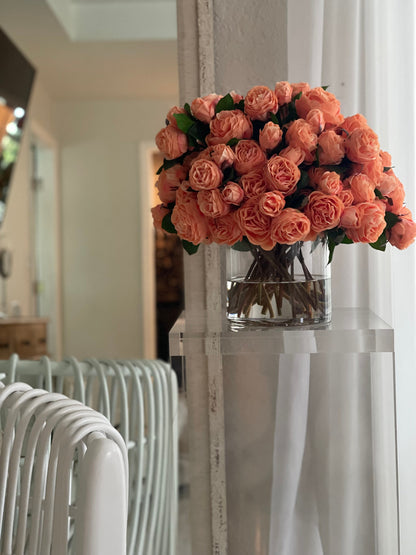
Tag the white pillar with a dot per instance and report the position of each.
(222, 46)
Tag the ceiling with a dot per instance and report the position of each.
(107, 56)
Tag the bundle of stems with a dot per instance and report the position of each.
(271, 279)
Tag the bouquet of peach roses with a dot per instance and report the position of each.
(272, 170)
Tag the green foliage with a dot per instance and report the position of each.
(335, 237)
(233, 142)
(239, 105)
(184, 121)
(242, 245)
(167, 224)
(380, 244)
(187, 109)
(391, 219)
(226, 103)
(170, 163)
(274, 118)
(189, 247)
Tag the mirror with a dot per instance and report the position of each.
(16, 79)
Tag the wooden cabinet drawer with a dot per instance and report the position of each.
(6, 347)
(27, 339)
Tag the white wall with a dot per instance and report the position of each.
(101, 202)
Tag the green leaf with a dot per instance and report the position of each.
(387, 168)
(242, 245)
(184, 122)
(167, 224)
(274, 118)
(189, 247)
(324, 87)
(229, 174)
(170, 163)
(347, 241)
(187, 109)
(331, 247)
(233, 142)
(391, 219)
(226, 103)
(303, 181)
(239, 105)
(297, 96)
(379, 194)
(198, 131)
(380, 244)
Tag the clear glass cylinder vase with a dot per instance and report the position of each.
(287, 286)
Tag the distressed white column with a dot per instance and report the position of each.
(221, 46)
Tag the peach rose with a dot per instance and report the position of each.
(346, 197)
(316, 120)
(294, 154)
(225, 230)
(324, 101)
(387, 184)
(300, 134)
(203, 108)
(188, 160)
(315, 175)
(374, 169)
(362, 145)
(405, 213)
(324, 211)
(169, 181)
(222, 155)
(271, 203)
(233, 193)
(385, 159)
(171, 142)
(212, 204)
(248, 156)
(290, 226)
(362, 188)
(402, 234)
(301, 87)
(396, 198)
(237, 97)
(270, 136)
(331, 148)
(330, 183)
(227, 125)
(354, 122)
(170, 115)
(158, 213)
(259, 102)
(281, 175)
(254, 224)
(253, 183)
(283, 92)
(189, 221)
(205, 174)
(369, 225)
(350, 218)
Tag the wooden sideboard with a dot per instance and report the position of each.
(26, 337)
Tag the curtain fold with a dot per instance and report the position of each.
(365, 51)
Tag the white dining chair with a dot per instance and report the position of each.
(140, 399)
(63, 476)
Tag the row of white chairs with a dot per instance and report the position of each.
(140, 399)
(63, 476)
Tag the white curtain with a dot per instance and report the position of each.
(364, 50)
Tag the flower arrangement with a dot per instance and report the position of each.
(274, 168)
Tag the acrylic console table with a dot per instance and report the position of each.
(305, 425)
